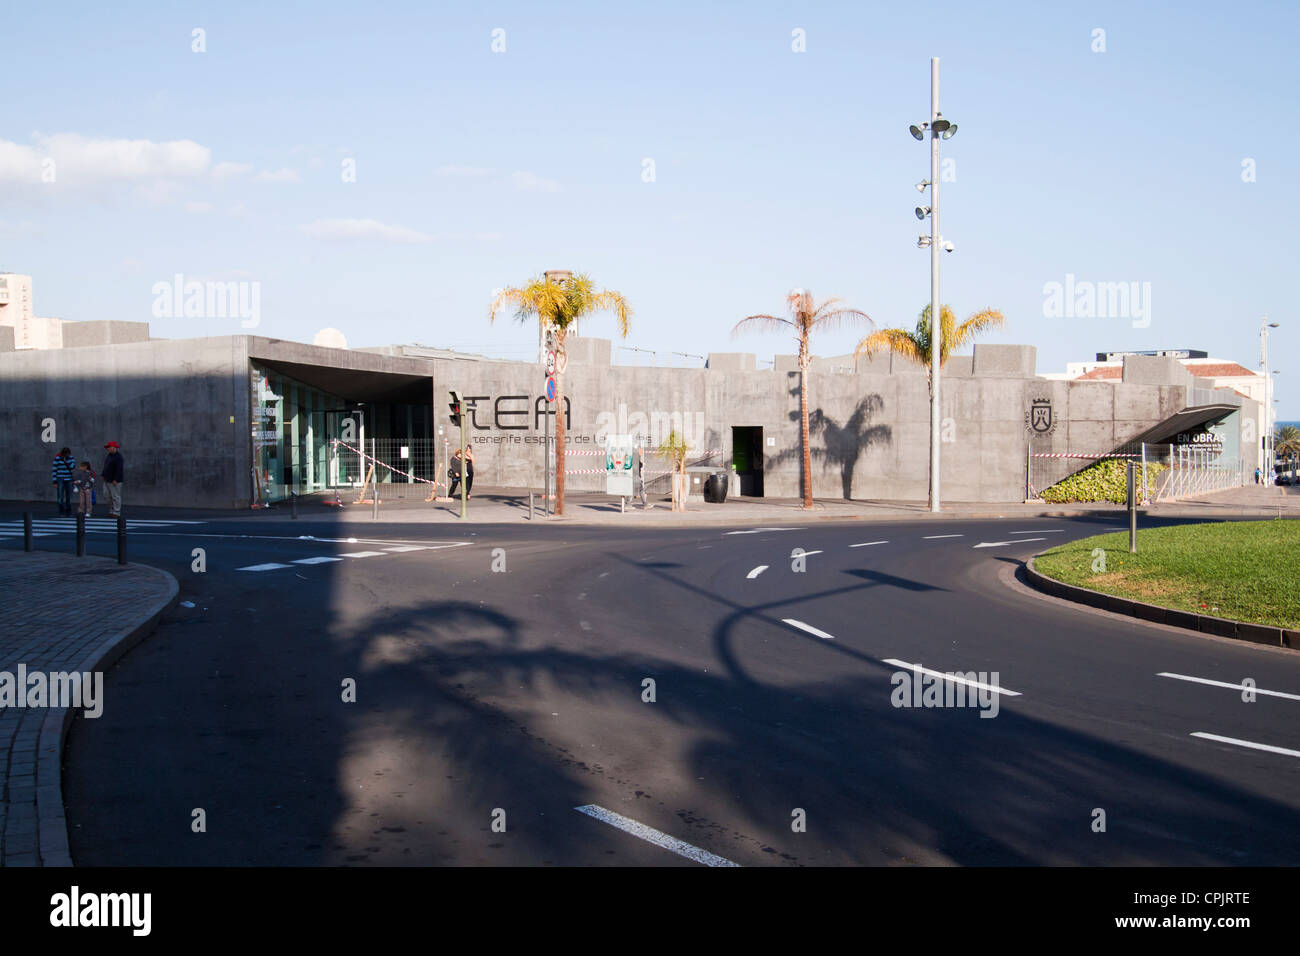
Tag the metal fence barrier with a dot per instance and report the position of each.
(1174, 471)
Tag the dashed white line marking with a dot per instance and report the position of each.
(757, 530)
(1003, 544)
(403, 548)
(1052, 531)
(806, 553)
(651, 835)
(756, 572)
(931, 537)
(952, 677)
(361, 554)
(262, 567)
(807, 627)
(1219, 683)
(317, 560)
(1247, 743)
(867, 544)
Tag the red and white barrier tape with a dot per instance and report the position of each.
(436, 484)
(1053, 454)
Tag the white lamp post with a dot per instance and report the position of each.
(1267, 471)
(938, 128)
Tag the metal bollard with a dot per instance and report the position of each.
(121, 539)
(27, 531)
(293, 505)
(81, 535)
(1132, 508)
(530, 506)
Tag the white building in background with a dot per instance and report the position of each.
(17, 313)
(1221, 373)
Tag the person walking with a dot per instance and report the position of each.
(114, 473)
(461, 462)
(61, 475)
(83, 483)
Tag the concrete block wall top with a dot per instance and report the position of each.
(1005, 361)
(1155, 370)
(732, 361)
(83, 334)
(587, 351)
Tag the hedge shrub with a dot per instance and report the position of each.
(1102, 481)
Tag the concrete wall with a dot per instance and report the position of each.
(83, 334)
(169, 404)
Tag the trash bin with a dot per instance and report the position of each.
(715, 487)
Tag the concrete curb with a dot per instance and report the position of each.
(1202, 623)
(51, 821)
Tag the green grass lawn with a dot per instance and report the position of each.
(1244, 570)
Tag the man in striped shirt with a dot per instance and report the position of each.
(61, 476)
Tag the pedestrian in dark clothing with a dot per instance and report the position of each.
(113, 473)
(453, 472)
(61, 475)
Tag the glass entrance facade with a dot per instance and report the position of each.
(292, 427)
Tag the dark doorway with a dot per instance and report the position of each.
(747, 459)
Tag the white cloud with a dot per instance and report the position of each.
(224, 171)
(366, 229)
(464, 171)
(278, 176)
(198, 208)
(79, 160)
(531, 182)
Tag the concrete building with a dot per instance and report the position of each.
(228, 420)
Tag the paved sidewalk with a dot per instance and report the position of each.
(60, 613)
(503, 506)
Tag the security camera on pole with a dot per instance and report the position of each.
(938, 128)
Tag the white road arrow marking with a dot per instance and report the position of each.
(756, 572)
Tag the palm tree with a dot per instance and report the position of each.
(806, 317)
(1286, 440)
(558, 306)
(915, 345)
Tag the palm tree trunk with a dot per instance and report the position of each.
(807, 452)
(559, 423)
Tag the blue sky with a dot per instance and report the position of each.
(773, 168)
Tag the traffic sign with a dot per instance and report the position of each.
(550, 364)
(550, 389)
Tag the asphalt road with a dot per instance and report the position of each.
(522, 691)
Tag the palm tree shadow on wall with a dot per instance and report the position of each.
(843, 445)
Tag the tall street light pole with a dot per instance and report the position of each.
(1266, 473)
(938, 128)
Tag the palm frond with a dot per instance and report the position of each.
(762, 323)
(899, 341)
(981, 321)
(823, 320)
